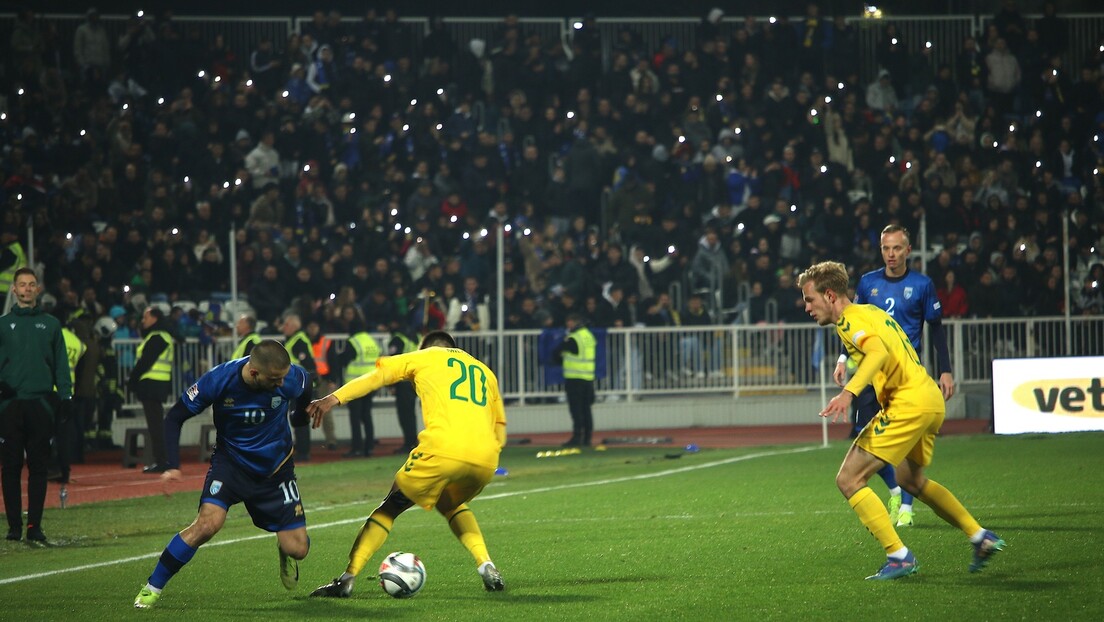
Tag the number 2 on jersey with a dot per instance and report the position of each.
(468, 373)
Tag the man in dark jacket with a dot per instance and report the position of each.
(32, 363)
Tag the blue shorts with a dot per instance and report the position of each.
(866, 406)
(272, 502)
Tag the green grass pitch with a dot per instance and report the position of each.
(624, 534)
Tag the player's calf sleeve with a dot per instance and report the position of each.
(948, 507)
(173, 558)
(875, 517)
(466, 529)
(372, 535)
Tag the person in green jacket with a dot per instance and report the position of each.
(32, 363)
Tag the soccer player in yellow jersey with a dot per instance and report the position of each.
(902, 434)
(456, 455)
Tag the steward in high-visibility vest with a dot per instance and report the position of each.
(12, 258)
(578, 351)
(247, 328)
(362, 353)
(405, 397)
(299, 348)
(318, 349)
(367, 351)
(74, 350)
(151, 381)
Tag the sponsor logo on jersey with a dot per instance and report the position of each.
(228, 401)
(193, 392)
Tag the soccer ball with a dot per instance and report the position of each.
(402, 575)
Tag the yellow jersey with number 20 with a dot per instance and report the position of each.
(902, 384)
(461, 406)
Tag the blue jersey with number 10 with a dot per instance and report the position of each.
(910, 299)
(252, 425)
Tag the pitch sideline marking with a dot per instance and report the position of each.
(502, 495)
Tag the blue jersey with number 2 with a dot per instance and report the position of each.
(253, 426)
(910, 299)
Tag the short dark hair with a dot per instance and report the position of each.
(22, 271)
(437, 338)
(269, 355)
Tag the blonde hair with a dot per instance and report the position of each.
(827, 275)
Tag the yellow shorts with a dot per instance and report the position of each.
(893, 436)
(426, 478)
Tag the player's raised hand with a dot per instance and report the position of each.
(318, 408)
(838, 405)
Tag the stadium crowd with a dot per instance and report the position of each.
(359, 172)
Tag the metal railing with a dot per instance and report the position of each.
(728, 359)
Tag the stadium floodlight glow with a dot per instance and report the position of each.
(1054, 72)
(284, 94)
(1038, 164)
(352, 225)
(463, 308)
(839, 86)
(647, 259)
(249, 82)
(772, 19)
(406, 127)
(482, 233)
(577, 25)
(737, 131)
(141, 14)
(175, 231)
(526, 231)
(201, 74)
(507, 228)
(719, 97)
(3, 116)
(570, 114)
(893, 40)
(440, 91)
(68, 236)
(908, 165)
(398, 226)
(352, 130)
(387, 78)
(823, 168)
(827, 99)
(1102, 48)
(306, 168)
(126, 106)
(225, 185)
(187, 179)
(218, 78)
(739, 226)
(237, 181)
(465, 236)
(19, 197)
(728, 159)
(20, 91)
(82, 132)
(126, 289)
(793, 208)
(892, 159)
(995, 144)
(394, 212)
(671, 249)
(333, 296)
(1023, 247)
(439, 127)
(1011, 127)
(406, 230)
(682, 139)
(414, 102)
(1038, 114)
(160, 101)
(453, 219)
(813, 112)
(927, 45)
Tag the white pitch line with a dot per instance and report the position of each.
(502, 495)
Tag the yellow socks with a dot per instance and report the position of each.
(464, 526)
(948, 507)
(875, 517)
(372, 536)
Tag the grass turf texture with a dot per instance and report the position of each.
(625, 534)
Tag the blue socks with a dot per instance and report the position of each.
(889, 476)
(173, 558)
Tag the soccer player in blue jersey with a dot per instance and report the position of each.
(909, 298)
(251, 398)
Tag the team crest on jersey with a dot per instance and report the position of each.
(216, 486)
(228, 401)
(193, 391)
(12, 325)
(908, 293)
(276, 401)
(874, 292)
